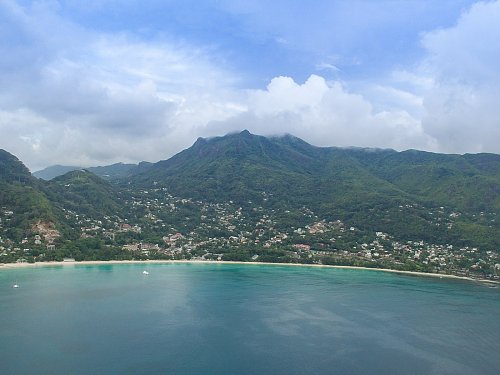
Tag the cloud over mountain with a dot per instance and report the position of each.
(78, 94)
(326, 114)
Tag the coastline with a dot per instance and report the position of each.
(118, 262)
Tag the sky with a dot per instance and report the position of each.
(95, 82)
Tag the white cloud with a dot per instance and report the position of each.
(326, 114)
(74, 96)
(87, 98)
(327, 66)
(462, 109)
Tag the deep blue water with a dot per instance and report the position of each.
(243, 319)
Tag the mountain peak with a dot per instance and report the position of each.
(245, 133)
(53, 171)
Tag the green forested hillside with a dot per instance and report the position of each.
(465, 181)
(12, 170)
(20, 194)
(365, 187)
(243, 196)
(84, 192)
(27, 202)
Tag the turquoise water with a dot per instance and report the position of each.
(243, 319)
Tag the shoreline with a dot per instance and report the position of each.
(118, 262)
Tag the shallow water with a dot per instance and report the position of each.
(243, 319)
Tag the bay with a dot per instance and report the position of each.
(243, 319)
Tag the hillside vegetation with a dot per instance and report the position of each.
(243, 196)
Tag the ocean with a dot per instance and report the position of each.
(243, 319)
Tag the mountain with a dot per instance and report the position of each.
(465, 181)
(365, 187)
(119, 171)
(32, 205)
(53, 171)
(242, 196)
(108, 172)
(83, 192)
(243, 166)
(12, 170)
(21, 199)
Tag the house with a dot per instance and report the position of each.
(125, 227)
(132, 247)
(302, 247)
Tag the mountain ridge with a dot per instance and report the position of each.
(410, 196)
(108, 172)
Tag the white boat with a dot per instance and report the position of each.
(145, 272)
(15, 285)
